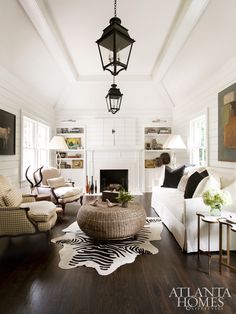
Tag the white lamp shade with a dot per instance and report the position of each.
(58, 143)
(174, 142)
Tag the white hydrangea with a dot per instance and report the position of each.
(216, 198)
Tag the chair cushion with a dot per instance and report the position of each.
(69, 199)
(13, 198)
(40, 211)
(49, 173)
(56, 182)
(67, 191)
(5, 186)
(47, 225)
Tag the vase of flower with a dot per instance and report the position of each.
(215, 199)
(215, 211)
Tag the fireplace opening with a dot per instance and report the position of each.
(114, 179)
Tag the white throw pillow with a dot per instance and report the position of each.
(191, 169)
(162, 175)
(13, 198)
(231, 189)
(183, 182)
(56, 182)
(207, 183)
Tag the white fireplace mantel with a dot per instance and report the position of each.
(130, 158)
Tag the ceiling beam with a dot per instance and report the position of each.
(39, 15)
(186, 19)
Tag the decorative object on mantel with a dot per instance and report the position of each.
(110, 204)
(115, 46)
(227, 124)
(87, 185)
(80, 250)
(113, 99)
(124, 197)
(95, 187)
(94, 203)
(215, 199)
(92, 186)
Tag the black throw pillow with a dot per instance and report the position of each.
(193, 182)
(172, 177)
(204, 174)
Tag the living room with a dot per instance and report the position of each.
(181, 68)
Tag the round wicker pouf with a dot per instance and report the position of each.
(111, 223)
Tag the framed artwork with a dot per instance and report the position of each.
(150, 163)
(73, 142)
(77, 164)
(227, 124)
(7, 133)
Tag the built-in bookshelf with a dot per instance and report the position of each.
(73, 160)
(154, 138)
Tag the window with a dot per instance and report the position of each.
(35, 142)
(198, 141)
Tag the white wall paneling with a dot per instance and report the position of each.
(205, 96)
(14, 97)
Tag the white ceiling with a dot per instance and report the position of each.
(50, 45)
(80, 23)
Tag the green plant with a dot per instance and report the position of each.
(124, 197)
(216, 198)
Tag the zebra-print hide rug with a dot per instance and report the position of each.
(81, 250)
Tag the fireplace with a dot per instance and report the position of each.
(113, 178)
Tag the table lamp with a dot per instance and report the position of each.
(58, 143)
(174, 142)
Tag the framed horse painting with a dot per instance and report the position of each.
(7, 133)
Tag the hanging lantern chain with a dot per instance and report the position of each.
(114, 7)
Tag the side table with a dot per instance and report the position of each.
(231, 226)
(204, 216)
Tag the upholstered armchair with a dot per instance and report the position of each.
(62, 192)
(21, 214)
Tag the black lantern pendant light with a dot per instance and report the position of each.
(115, 46)
(113, 98)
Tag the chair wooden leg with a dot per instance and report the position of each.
(63, 208)
(81, 200)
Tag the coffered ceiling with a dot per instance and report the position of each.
(70, 28)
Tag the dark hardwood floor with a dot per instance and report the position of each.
(32, 282)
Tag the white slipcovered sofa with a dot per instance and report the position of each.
(179, 214)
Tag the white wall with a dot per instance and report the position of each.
(200, 98)
(15, 96)
(129, 143)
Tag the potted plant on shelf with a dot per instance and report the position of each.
(124, 197)
(215, 199)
